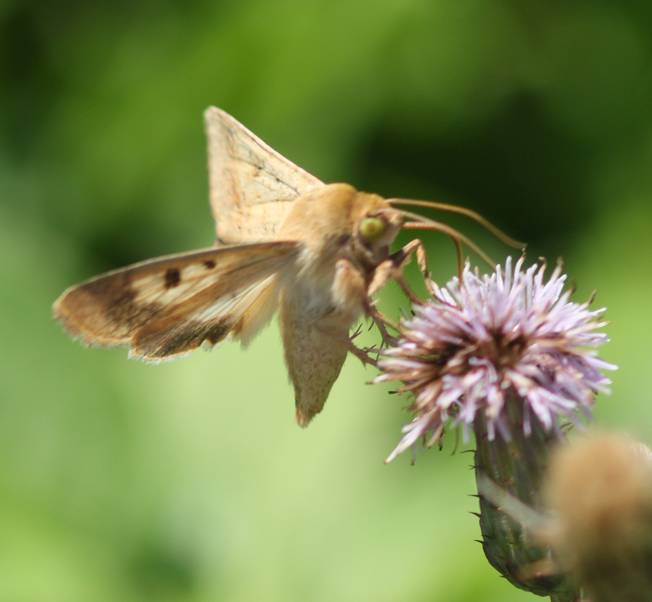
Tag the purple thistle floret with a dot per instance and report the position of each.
(509, 335)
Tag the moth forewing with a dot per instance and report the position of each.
(251, 185)
(164, 307)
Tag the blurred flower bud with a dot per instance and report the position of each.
(599, 490)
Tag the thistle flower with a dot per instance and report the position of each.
(508, 355)
(487, 339)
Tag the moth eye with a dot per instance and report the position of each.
(372, 227)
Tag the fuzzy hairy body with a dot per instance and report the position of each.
(323, 296)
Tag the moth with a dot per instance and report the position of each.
(286, 242)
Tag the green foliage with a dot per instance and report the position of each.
(188, 481)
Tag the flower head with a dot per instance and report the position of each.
(481, 342)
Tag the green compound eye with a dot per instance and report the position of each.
(372, 227)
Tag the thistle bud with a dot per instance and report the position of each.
(517, 465)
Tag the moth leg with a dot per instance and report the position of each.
(381, 321)
(349, 293)
(362, 353)
(414, 246)
(392, 269)
(333, 330)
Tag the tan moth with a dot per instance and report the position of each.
(285, 241)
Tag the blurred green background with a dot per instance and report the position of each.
(189, 481)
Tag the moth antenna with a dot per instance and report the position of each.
(459, 257)
(476, 217)
(423, 223)
(459, 254)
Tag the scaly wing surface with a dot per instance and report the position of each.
(169, 306)
(251, 185)
(314, 357)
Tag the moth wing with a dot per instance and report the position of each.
(169, 306)
(314, 359)
(251, 185)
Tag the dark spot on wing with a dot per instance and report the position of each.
(172, 277)
(209, 264)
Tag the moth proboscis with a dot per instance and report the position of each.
(285, 241)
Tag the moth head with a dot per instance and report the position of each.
(376, 230)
